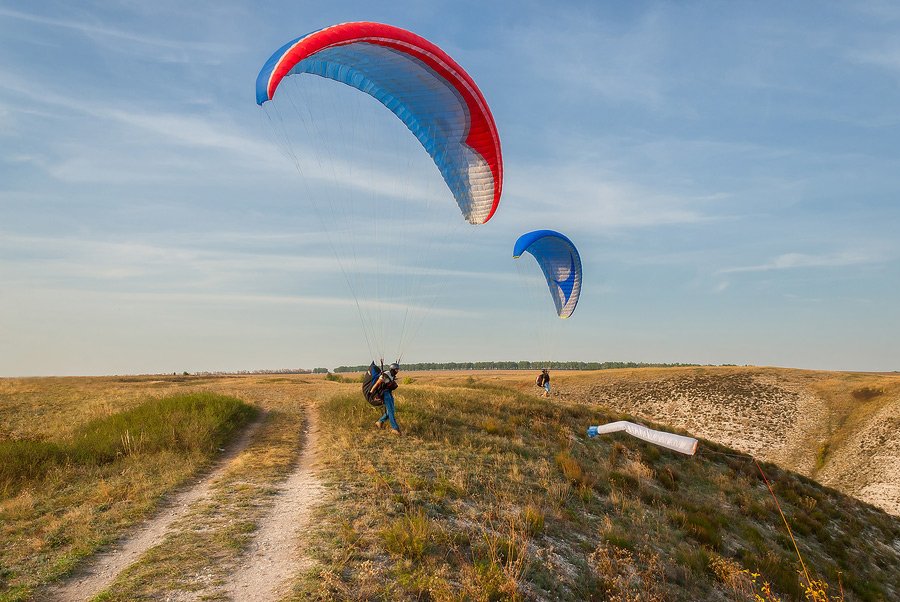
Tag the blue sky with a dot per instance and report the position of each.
(729, 171)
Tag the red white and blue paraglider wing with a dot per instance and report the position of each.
(560, 263)
(436, 99)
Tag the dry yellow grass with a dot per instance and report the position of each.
(486, 481)
(49, 526)
(496, 494)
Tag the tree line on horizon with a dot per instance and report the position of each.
(521, 365)
(274, 371)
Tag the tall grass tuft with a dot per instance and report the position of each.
(410, 536)
(197, 423)
(24, 461)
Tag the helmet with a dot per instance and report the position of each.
(395, 367)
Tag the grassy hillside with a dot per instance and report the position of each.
(838, 428)
(494, 494)
(491, 493)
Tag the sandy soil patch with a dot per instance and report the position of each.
(274, 558)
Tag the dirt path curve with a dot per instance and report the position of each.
(273, 559)
(103, 569)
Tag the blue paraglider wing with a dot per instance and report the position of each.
(560, 263)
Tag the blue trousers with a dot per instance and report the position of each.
(389, 410)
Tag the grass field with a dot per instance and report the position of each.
(112, 448)
(490, 494)
(495, 494)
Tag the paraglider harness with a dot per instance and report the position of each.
(541, 379)
(376, 397)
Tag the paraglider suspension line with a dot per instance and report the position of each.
(777, 505)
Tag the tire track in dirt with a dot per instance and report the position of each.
(273, 559)
(104, 568)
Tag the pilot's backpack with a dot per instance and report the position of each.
(376, 397)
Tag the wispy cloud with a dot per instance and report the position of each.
(92, 261)
(89, 151)
(588, 56)
(182, 266)
(209, 299)
(792, 261)
(883, 11)
(886, 54)
(104, 31)
(878, 46)
(585, 197)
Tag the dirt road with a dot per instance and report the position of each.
(268, 564)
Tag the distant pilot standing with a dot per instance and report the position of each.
(543, 380)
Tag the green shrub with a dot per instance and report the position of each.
(866, 393)
(410, 536)
(695, 559)
(200, 421)
(703, 530)
(650, 454)
(196, 423)
(624, 481)
(572, 469)
(22, 461)
(615, 453)
(619, 541)
(822, 455)
(533, 517)
(782, 571)
(668, 477)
